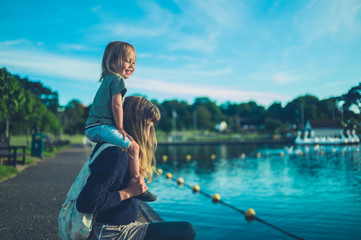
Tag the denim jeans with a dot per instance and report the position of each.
(132, 231)
(107, 133)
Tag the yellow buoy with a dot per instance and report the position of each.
(188, 157)
(282, 154)
(243, 155)
(301, 153)
(180, 181)
(250, 213)
(259, 155)
(160, 171)
(213, 156)
(168, 175)
(216, 198)
(165, 158)
(196, 188)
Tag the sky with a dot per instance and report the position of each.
(228, 50)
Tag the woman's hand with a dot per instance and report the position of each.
(136, 186)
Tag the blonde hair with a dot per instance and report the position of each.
(138, 112)
(113, 57)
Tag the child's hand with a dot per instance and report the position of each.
(124, 133)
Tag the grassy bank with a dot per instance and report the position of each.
(208, 136)
(9, 171)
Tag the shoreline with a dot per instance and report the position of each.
(230, 142)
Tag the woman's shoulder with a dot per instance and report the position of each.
(112, 156)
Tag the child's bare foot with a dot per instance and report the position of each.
(147, 196)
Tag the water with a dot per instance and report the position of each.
(311, 192)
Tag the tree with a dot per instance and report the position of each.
(352, 98)
(272, 124)
(258, 113)
(203, 117)
(275, 111)
(46, 95)
(215, 112)
(74, 117)
(12, 98)
(301, 109)
(171, 109)
(327, 109)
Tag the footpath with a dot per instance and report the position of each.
(31, 201)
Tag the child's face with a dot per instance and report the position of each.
(128, 66)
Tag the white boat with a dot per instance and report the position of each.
(308, 138)
(326, 132)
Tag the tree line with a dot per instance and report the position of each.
(28, 107)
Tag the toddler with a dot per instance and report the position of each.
(105, 121)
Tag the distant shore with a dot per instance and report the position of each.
(229, 142)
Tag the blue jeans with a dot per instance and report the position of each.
(107, 133)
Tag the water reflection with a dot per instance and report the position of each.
(312, 191)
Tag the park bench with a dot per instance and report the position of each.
(49, 143)
(11, 152)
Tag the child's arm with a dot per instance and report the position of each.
(117, 109)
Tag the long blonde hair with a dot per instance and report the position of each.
(138, 112)
(113, 57)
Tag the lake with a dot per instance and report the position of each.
(311, 192)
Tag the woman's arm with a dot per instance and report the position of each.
(109, 167)
(135, 187)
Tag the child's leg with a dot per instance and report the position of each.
(133, 160)
(134, 171)
(107, 133)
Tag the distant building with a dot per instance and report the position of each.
(221, 126)
(326, 132)
(324, 128)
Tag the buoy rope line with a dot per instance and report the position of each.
(250, 213)
(294, 152)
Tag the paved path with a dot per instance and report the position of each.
(31, 201)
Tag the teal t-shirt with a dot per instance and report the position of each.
(101, 110)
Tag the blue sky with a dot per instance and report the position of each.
(227, 50)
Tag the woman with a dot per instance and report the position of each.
(109, 192)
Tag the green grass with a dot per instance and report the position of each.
(74, 139)
(6, 172)
(23, 140)
(207, 136)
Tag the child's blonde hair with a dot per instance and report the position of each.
(138, 112)
(113, 57)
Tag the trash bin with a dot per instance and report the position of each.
(37, 145)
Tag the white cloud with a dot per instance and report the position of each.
(283, 78)
(76, 47)
(96, 8)
(195, 43)
(42, 63)
(19, 42)
(195, 90)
